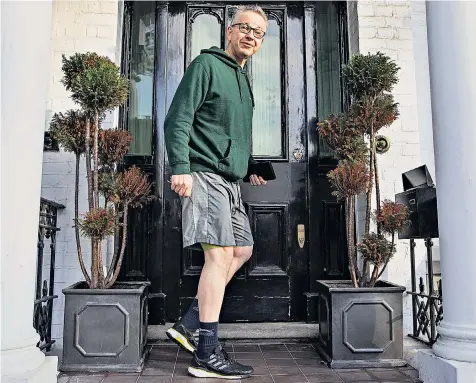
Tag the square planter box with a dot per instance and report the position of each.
(360, 327)
(105, 329)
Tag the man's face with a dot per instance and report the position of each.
(245, 45)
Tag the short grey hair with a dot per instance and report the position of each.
(249, 8)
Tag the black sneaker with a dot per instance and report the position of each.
(183, 337)
(218, 365)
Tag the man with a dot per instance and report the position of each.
(208, 140)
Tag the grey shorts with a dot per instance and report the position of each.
(215, 213)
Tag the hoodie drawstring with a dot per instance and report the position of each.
(239, 84)
(251, 92)
(249, 87)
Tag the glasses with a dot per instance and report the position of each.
(246, 28)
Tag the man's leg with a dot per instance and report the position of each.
(211, 289)
(241, 254)
(213, 279)
(210, 359)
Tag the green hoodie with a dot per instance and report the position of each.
(208, 125)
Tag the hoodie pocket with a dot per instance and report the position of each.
(234, 165)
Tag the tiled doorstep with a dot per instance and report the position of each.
(273, 363)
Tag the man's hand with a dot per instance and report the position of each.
(182, 184)
(256, 181)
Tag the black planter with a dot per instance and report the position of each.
(360, 327)
(105, 329)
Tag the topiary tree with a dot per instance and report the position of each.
(97, 86)
(352, 135)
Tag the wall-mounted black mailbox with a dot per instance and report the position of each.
(420, 197)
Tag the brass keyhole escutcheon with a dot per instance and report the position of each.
(301, 235)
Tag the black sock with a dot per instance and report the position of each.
(207, 340)
(191, 320)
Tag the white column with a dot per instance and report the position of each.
(452, 58)
(25, 52)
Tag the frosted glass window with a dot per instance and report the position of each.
(328, 67)
(267, 89)
(142, 78)
(206, 32)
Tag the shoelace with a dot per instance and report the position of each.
(226, 356)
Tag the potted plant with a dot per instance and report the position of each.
(361, 319)
(105, 321)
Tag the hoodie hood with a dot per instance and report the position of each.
(221, 55)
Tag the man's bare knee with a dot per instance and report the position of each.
(220, 257)
(243, 253)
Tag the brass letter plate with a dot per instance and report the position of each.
(301, 235)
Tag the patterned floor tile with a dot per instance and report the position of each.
(281, 362)
(299, 347)
(155, 379)
(290, 379)
(277, 354)
(121, 378)
(258, 379)
(273, 347)
(252, 362)
(246, 348)
(389, 374)
(324, 377)
(352, 375)
(305, 354)
(412, 373)
(87, 378)
(315, 362)
(291, 370)
(249, 355)
(273, 363)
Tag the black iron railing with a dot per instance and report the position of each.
(427, 304)
(43, 310)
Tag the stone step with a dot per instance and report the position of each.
(241, 331)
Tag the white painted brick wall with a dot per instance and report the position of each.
(78, 26)
(387, 26)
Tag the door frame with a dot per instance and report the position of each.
(152, 265)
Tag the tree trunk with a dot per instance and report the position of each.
(88, 162)
(364, 275)
(101, 279)
(95, 159)
(94, 264)
(352, 235)
(377, 186)
(123, 247)
(76, 216)
(112, 266)
(370, 184)
(386, 263)
(374, 277)
(350, 239)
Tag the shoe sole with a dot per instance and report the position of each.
(180, 340)
(199, 373)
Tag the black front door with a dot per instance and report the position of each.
(296, 223)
